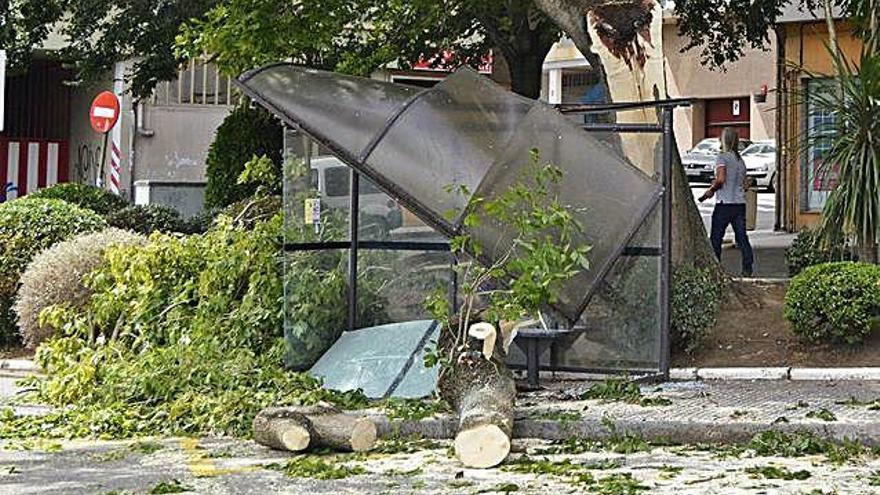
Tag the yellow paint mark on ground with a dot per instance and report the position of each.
(201, 466)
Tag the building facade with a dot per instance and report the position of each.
(807, 67)
(742, 96)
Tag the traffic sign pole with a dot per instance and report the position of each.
(103, 116)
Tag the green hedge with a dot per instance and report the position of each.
(696, 297)
(244, 133)
(834, 302)
(27, 227)
(93, 198)
(806, 251)
(148, 219)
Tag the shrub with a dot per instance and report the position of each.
(244, 133)
(85, 196)
(249, 211)
(696, 296)
(834, 302)
(210, 305)
(147, 219)
(806, 251)
(56, 277)
(201, 222)
(28, 226)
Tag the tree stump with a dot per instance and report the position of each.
(483, 392)
(308, 427)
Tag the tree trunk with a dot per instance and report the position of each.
(483, 393)
(690, 241)
(525, 73)
(304, 427)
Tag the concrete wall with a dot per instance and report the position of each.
(178, 146)
(171, 145)
(687, 77)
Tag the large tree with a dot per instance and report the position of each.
(101, 32)
(357, 36)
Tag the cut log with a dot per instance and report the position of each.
(483, 392)
(310, 427)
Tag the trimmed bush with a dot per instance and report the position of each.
(92, 198)
(56, 277)
(805, 251)
(834, 302)
(148, 219)
(248, 212)
(201, 222)
(244, 133)
(696, 296)
(28, 226)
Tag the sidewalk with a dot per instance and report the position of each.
(698, 412)
(709, 411)
(769, 248)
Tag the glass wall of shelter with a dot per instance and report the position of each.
(410, 150)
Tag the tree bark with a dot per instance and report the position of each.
(483, 392)
(690, 241)
(308, 427)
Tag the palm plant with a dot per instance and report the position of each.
(852, 210)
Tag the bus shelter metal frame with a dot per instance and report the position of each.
(664, 127)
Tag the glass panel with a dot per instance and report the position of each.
(345, 109)
(609, 196)
(383, 361)
(393, 285)
(623, 319)
(449, 137)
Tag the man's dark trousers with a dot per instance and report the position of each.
(734, 215)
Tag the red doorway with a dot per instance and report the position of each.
(728, 112)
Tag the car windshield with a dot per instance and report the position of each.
(753, 150)
(707, 147)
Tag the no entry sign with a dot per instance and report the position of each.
(104, 112)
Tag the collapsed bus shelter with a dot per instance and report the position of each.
(401, 165)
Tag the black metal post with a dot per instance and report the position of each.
(666, 240)
(354, 204)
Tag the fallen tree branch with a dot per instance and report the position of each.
(298, 428)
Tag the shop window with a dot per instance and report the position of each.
(818, 179)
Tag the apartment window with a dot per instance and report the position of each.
(198, 82)
(820, 124)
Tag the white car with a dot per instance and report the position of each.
(699, 163)
(760, 160)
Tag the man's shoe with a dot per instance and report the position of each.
(747, 274)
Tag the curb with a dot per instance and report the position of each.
(19, 365)
(776, 373)
(665, 431)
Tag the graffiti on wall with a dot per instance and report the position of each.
(87, 163)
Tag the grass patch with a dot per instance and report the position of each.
(412, 409)
(146, 447)
(170, 486)
(562, 417)
(874, 478)
(411, 472)
(619, 484)
(778, 473)
(316, 468)
(798, 444)
(502, 488)
(109, 456)
(406, 445)
(823, 414)
(622, 390)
